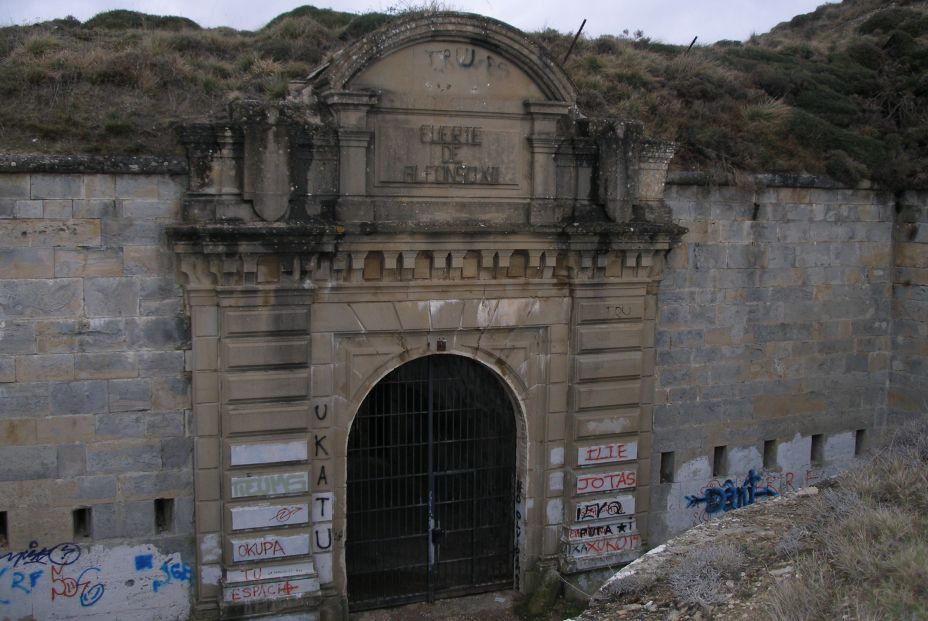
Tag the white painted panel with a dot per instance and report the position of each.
(604, 508)
(270, 484)
(604, 546)
(622, 526)
(323, 507)
(282, 589)
(612, 453)
(270, 572)
(322, 538)
(324, 567)
(268, 452)
(271, 546)
(268, 516)
(591, 482)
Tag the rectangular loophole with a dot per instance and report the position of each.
(860, 442)
(4, 533)
(82, 521)
(718, 460)
(817, 456)
(164, 515)
(770, 454)
(667, 467)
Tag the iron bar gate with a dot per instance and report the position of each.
(431, 470)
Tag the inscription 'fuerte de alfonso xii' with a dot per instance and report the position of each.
(453, 143)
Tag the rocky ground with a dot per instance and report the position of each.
(752, 549)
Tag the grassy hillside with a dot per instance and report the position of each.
(841, 91)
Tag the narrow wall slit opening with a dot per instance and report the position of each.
(719, 457)
(667, 467)
(164, 515)
(817, 453)
(4, 533)
(770, 454)
(82, 522)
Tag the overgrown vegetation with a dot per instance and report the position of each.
(866, 556)
(841, 91)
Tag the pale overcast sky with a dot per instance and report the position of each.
(671, 21)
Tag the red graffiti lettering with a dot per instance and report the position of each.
(606, 482)
(261, 549)
(263, 591)
(285, 514)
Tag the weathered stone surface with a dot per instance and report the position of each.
(17, 400)
(111, 297)
(17, 432)
(72, 461)
(14, 186)
(56, 186)
(88, 263)
(63, 429)
(84, 397)
(57, 209)
(7, 369)
(123, 456)
(97, 487)
(70, 335)
(108, 365)
(146, 260)
(28, 209)
(94, 208)
(157, 332)
(45, 233)
(40, 298)
(127, 395)
(170, 393)
(44, 368)
(26, 463)
(27, 263)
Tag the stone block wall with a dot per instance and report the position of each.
(908, 394)
(773, 340)
(94, 397)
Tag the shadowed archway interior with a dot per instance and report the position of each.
(431, 485)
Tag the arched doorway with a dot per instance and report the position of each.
(431, 485)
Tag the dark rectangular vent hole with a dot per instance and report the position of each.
(718, 460)
(860, 442)
(667, 467)
(818, 449)
(164, 515)
(4, 533)
(770, 454)
(81, 519)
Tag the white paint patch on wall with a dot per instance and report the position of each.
(121, 582)
(554, 511)
(557, 456)
(270, 572)
(795, 454)
(323, 506)
(269, 516)
(210, 548)
(268, 453)
(262, 591)
(599, 454)
(741, 460)
(272, 546)
(270, 484)
(323, 567)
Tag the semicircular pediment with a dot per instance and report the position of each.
(449, 61)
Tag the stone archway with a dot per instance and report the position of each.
(431, 484)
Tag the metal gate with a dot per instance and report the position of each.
(431, 470)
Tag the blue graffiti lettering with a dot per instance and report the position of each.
(144, 561)
(90, 594)
(730, 496)
(21, 581)
(172, 571)
(61, 554)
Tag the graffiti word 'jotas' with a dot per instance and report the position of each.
(730, 496)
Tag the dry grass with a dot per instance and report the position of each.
(697, 579)
(867, 555)
(840, 91)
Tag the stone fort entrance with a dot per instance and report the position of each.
(422, 302)
(431, 485)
